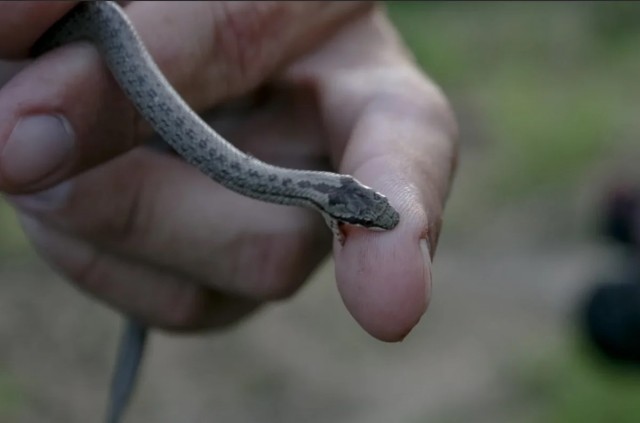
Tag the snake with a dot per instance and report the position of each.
(340, 198)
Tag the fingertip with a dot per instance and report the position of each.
(384, 278)
(36, 147)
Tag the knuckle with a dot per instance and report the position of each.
(441, 111)
(187, 309)
(279, 291)
(272, 285)
(429, 100)
(135, 221)
(93, 273)
(240, 31)
(432, 108)
(277, 275)
(118, 212)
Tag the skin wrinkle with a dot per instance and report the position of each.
(86, 272)
(239, 27)
(361, 80)
(246, 23)
(295, 108)
(187, 307)
(430, 200)
(396, 104)
(306, 104)
(333, 16)
(282, 277)
(384, 155)
(432, 216)
(133, 222)
(434, 174)
(141, 220)
(104, 86)
(145, 221)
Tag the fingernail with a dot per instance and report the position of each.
(47, 200)
(37, 146)
(426, 257)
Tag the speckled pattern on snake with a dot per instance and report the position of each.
(340, 198)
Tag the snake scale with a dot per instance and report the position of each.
(339, 198)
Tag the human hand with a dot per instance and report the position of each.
(323, 85)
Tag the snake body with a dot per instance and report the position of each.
(340, 198)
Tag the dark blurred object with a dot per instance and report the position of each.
(610, 313)
(612, 320)
(615, 22)
(622, 216)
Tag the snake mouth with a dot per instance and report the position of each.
(366, 223)
(386, 220)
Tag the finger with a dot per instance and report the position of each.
(155, 209)
(153, 296)
(233, 46)
(394, 131)
(385, 278)
(22, 22)
(8, 69)
(64, 113)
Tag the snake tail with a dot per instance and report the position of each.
(123, 382)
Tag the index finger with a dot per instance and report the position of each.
(22, 22)
(393, 130)
(385, 278)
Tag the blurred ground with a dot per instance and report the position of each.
(547, 98)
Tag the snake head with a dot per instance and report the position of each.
(356, 204)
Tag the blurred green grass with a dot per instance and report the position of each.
(544, 91)
(13, 244)
(10, 396)
(549, 82)
(574, 384)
